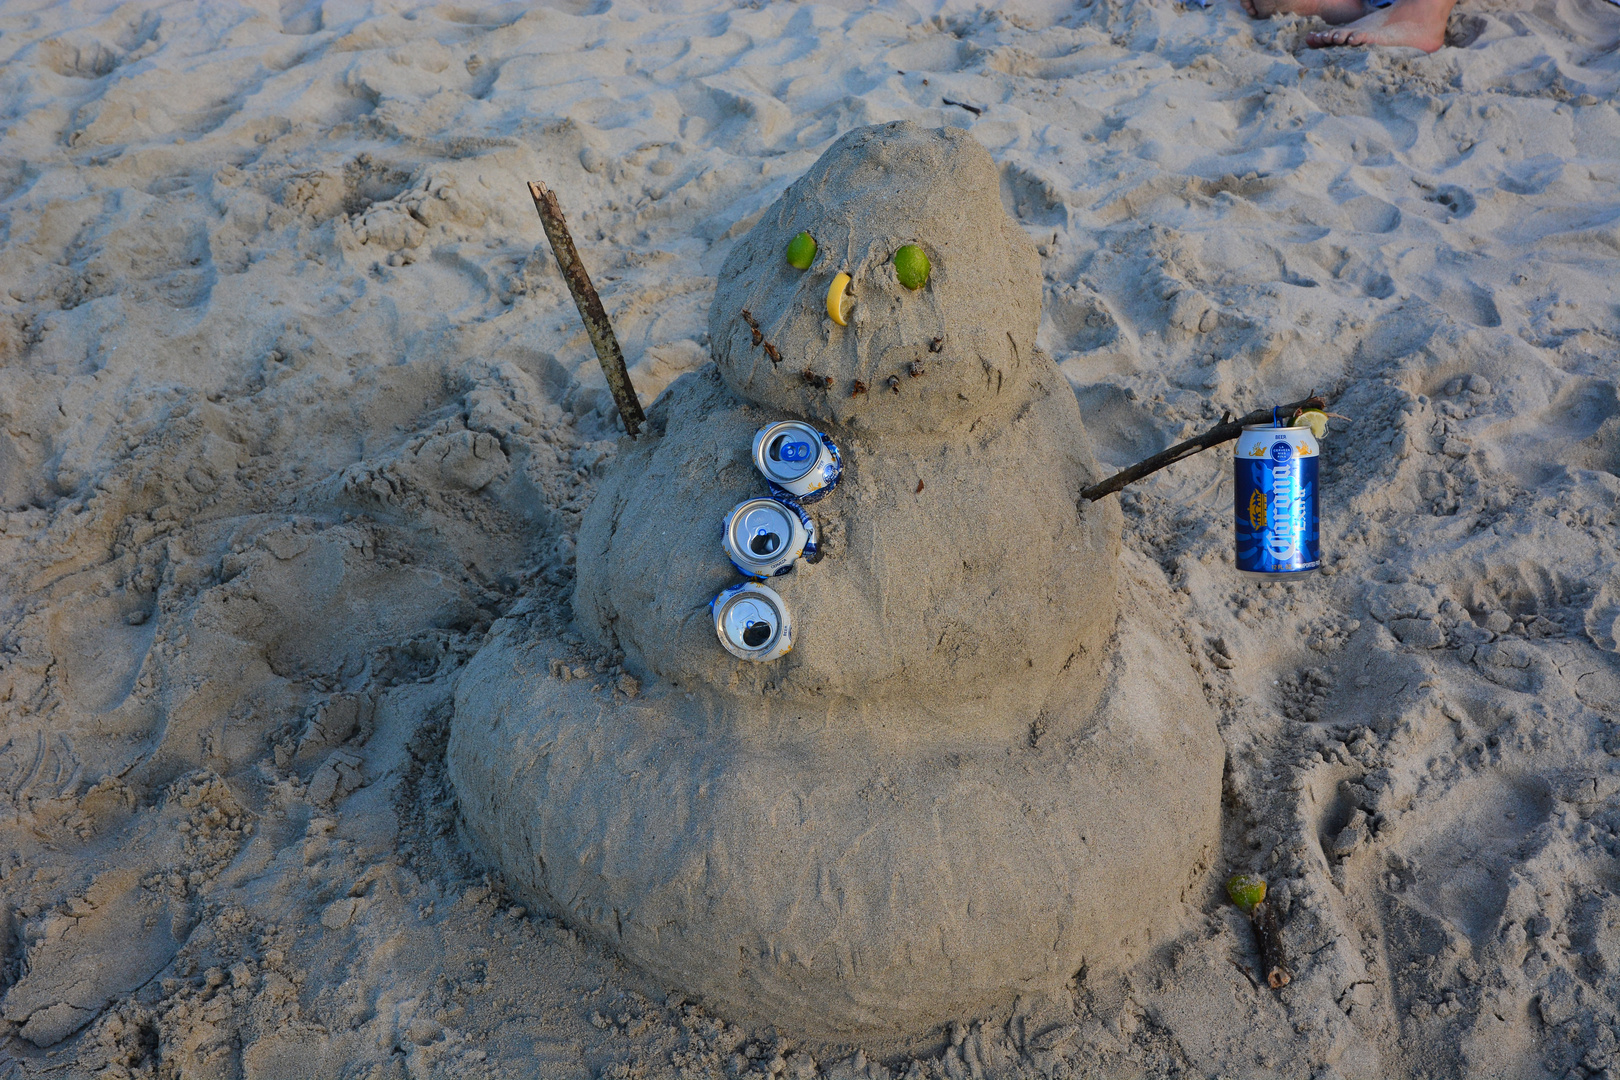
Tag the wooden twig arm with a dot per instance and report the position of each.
(1225, 431)
(590, 307)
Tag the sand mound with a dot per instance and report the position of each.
(963, 571)
(839, 881)
(796, 848)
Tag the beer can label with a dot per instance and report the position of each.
(1277, 502)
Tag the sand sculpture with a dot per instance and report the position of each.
(985, 763)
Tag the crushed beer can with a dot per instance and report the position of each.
(752, 622)
(764, 537)
(1277, 502)
(798, 460)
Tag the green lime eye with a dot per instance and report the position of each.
(801, 251)
(911, 267)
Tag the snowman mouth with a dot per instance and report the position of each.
(840, 298)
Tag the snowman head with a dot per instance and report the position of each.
(877, 348)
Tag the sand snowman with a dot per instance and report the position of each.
(984, 763)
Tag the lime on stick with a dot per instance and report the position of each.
(911, 267)
(1315, 419)
(801, 251)
(839, 299)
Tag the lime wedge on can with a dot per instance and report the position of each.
(1315, 419)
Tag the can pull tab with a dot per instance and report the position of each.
(1276, 421)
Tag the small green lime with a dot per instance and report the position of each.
(1246, 890)
(802, 251)
(911, 266)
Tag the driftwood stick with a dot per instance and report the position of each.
(1268, 934)
(1225, 431)
(590, 307)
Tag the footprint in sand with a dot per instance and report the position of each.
(107, 943)
(1461, 849)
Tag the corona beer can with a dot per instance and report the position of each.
(765, 537)
(1277, 502)
(752, 622)
(797, 459)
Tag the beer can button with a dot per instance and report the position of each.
(764, 527)
(756, 633)
(752, 623)
(797, 458)
(763, 537)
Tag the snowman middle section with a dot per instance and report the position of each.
(957, 575)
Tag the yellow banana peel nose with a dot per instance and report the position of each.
(839, 299)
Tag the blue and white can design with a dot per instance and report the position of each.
(799, 461)
(1277, 504)
(812, 544)
(763, 538)
(752, 622)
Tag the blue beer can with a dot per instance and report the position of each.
(799, 461)
(752, 622)
(1277, 505)
(763, 538)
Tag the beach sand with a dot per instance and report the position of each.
(296, 407)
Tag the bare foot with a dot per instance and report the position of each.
(1420, 24)
(1329, 11)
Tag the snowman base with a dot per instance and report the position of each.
(844, 880)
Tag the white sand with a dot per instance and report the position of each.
(294, 407)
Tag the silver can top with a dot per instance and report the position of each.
(763, 537)
(787, 450)
(752, 622)
(761, 529)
